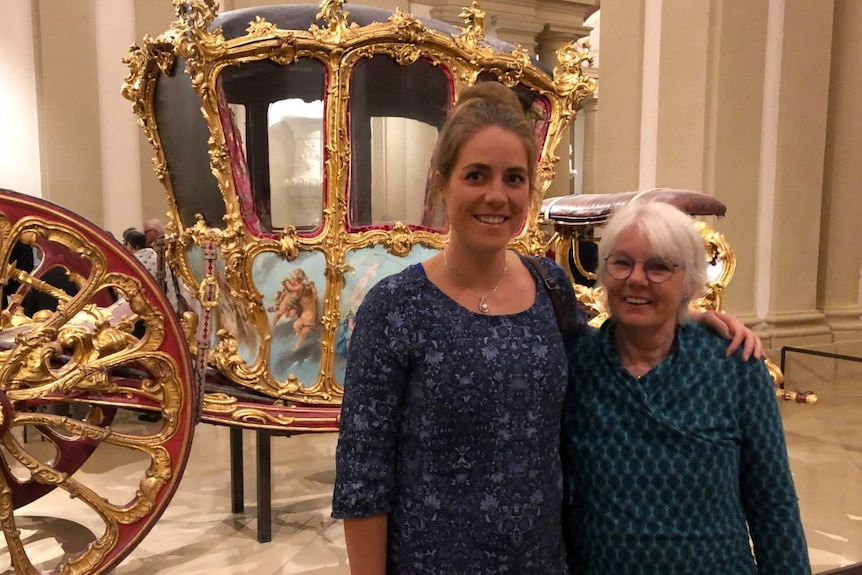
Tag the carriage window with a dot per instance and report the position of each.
(278, 112)
(395, 114)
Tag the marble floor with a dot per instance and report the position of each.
(198, 533)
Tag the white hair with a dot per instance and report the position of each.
(671, 234)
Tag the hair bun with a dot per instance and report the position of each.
(490, 92)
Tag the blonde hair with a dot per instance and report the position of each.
(481, 106)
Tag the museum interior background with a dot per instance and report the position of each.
(752, 102)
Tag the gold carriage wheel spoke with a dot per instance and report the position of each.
(93, 377)
(18, 555)
(157, 473)
(85, 430)
(40, 285)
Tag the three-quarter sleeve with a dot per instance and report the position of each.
(766, 486)
(367, 451)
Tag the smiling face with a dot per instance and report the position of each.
(488, 192)
(636, 302)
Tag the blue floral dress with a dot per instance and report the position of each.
(451, 426)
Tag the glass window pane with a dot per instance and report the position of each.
(278, 111)
(395, 115)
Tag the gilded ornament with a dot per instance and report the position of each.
(259, 27)
(337, 30)
(472, 36)
(407, 28)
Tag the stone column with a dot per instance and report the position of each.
(735, 120)
(118, 131)
(673, 150)
(703, 116)
(19, 118)
(796, 139)
(589, 114)
(617, 139)
(838, 290)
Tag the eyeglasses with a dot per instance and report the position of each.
(657, 270)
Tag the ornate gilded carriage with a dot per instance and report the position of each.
(307, 169)
(293, 142)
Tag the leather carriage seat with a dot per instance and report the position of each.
(596, 209)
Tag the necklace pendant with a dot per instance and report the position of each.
(483, 307)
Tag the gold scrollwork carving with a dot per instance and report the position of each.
(720, 257)
(407, 28)
(472, 36)
(261, 417)
(569, 77)
(337, 30)
(260, 27)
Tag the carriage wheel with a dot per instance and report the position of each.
(87, 341)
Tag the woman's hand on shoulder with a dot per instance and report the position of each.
(730, 327)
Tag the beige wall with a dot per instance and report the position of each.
(753, 102)
(69, 106)
(840, 254)
(19, 117)
(151, 18)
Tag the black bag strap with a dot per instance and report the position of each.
(552, 287)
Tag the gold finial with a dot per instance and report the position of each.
(261, 27)
(473, 33)
(569, 77)
(333, 13)
(196, 13)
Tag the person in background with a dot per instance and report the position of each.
(448, 454)
(136, 243)
(674, 453)
(154, 230)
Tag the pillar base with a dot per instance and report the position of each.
(845, 322)
(794, 328)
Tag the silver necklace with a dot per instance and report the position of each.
(483, 305)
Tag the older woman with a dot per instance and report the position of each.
(676, 451)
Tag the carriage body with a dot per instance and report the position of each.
(296, 140)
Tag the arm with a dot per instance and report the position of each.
(366, 545)
(729, 327)
(766, 486)
(367, 451)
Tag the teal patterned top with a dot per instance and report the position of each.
(670, 473)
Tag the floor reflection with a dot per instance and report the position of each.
(198, 533)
